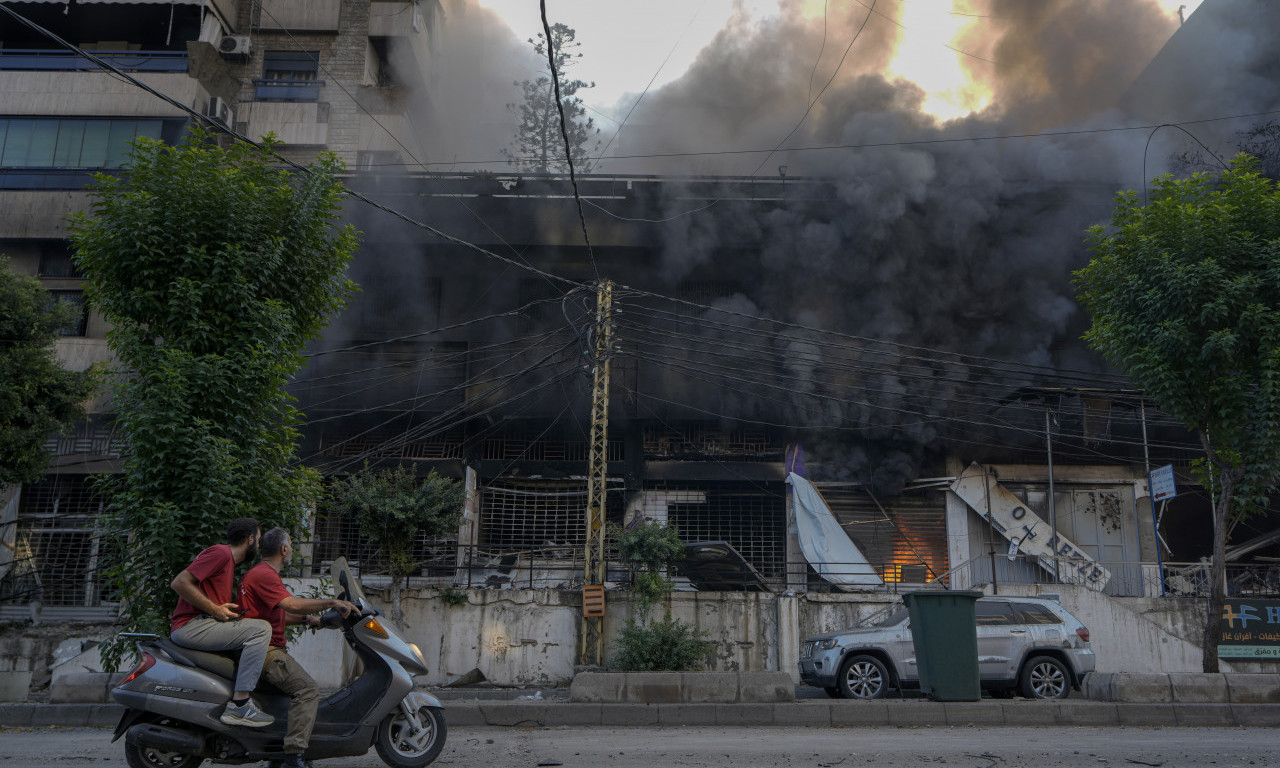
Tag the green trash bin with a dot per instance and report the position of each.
(944, 632)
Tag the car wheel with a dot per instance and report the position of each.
(863, 677)
(834, 692)
(1044, 677)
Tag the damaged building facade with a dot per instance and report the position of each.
(836, 391)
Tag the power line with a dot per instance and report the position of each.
(564, 132)
(271, 153)
(910, 142)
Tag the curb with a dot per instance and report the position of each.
(808, 713)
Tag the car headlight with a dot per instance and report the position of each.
(824, 645)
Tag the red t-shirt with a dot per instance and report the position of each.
(261, 591)
(214, 570)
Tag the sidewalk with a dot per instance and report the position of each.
(808, 712)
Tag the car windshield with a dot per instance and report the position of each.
(894, 618)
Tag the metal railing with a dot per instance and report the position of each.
(290, 90)
(1127, 578)
(131, 61)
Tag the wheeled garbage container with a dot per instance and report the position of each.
(944, 632)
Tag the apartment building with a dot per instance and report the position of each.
(318, 74)
(475, 363)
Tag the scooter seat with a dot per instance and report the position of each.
(220, 664)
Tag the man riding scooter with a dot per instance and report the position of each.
(264, 596)
(207, 620)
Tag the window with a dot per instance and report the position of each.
(77, 324)
(993, 614)
(71, 143)
(56, 261)
(56, 551)
(290, 75)
(1037, 614)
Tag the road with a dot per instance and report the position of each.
(1042, 747)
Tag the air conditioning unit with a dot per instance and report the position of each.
(220, 111)
(234, 45)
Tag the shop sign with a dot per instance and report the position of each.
(1250, 630)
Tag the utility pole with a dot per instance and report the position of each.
(597, 472)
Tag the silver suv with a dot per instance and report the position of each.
(1027, 644)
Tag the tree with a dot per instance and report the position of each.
(667, 644)
(391, 508)
(539, 144)
(1184, 294)
(214, 269)
(38, 397)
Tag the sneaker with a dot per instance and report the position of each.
(249, 715)
(289, 761)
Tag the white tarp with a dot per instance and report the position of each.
(824, 543)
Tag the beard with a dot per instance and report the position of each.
(251, 553)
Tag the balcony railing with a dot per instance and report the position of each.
(54, 61)
(292, 90)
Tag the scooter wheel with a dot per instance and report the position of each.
(400, 747)
(139, 756)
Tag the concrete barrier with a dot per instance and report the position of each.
(83, 687)
(1182, 688)
(681, 688)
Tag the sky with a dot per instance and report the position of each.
(627, 45)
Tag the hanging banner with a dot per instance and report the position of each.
(1250, 630)
(1024, 529)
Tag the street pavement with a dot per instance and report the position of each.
(552, 711)
(754, 747)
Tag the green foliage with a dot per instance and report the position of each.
(669, 645)
(214, 269)
(453, 596)
(1184, 293)
(392, 506)
(650, 549)
(539, 143)
(37, 395)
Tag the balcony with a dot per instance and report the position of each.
(287, 90)
(38, 60)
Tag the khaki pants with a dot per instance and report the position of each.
(282, 671)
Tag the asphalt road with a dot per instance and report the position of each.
(1042, 747)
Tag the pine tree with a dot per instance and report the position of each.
(539, 143)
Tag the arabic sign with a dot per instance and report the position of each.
(1161, 484)
(1250, 630)
(1026, 531)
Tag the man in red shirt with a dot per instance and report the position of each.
(206, 619)
(264, 596)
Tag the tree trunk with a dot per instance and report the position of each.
(396, 612)
(1217, 572)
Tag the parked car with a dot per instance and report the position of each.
(1030, 645)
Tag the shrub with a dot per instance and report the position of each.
(669, 645)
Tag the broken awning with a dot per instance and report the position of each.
(824, 543)
(1026, 531)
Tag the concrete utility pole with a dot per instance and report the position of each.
(597, 479)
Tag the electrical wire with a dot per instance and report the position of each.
(214, 126)
(564, 132)
(356, 102)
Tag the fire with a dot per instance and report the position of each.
(928, 55)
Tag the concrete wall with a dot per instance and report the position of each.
(529, 638)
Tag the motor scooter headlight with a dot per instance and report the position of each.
(417, 654)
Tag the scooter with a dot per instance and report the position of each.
(174, 696)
